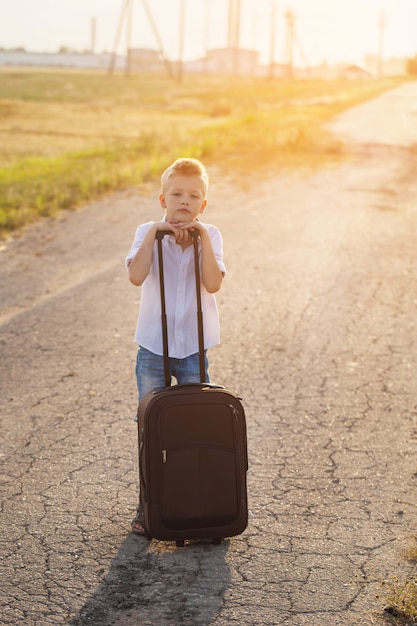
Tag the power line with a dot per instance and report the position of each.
(126, 13)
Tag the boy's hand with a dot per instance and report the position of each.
(182, 230)
(166, 225)
(211, 273)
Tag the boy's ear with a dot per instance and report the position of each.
(203, 206)
(162, 201)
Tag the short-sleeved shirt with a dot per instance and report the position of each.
(180, 297)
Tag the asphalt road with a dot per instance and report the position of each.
(318, 315)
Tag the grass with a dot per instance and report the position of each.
(402, 600)
(401, 596)
(67, 137)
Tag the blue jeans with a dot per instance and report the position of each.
(150, 370)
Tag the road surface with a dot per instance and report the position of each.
(318, 314)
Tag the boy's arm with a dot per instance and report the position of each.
(211, 274)
(140, 265)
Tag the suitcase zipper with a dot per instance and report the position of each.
(235, 412)
(164, 456)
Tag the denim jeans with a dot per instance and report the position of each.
(150, 370)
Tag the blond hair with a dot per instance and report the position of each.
(186, 167)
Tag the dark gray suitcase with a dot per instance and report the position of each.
(192, 452)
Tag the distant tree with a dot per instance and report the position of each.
(412, 66)
(67, 50)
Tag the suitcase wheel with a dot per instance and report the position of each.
(217, 541)
(179, 543)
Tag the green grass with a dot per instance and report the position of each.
(69, 137)
(42, 186)
(401, 600)
(401, 595)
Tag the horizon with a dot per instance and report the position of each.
(331, 31)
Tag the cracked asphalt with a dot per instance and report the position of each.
(318, 315)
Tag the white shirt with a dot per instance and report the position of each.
(180, 297)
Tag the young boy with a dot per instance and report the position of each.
(183, 198)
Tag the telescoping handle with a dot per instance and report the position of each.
(160, 234)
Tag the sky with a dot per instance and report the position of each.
(325, 30)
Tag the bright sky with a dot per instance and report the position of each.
(326, 30)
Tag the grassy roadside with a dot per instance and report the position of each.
(69, 137)
(401, 595)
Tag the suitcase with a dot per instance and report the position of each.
(192, 451)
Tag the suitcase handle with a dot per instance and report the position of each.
(203, 385)
(160, 234)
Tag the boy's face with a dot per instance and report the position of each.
(183, 198)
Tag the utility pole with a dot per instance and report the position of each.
(127, 11)
(93, 34)
(253, 41)
(158, 39)
(234, 32)
(118, 33)
(128, 66)
(301, 51)
(230, 31)
(272, 38)
(381, 44)
(237, 37)
(207, 34)
(181, 42)
(290, 42)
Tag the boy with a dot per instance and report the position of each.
(183, 197)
